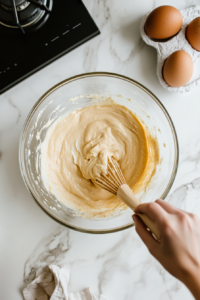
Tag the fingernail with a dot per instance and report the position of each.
(133, 217)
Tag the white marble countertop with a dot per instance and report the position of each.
(118, 264)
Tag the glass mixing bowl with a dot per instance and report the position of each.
(55, 102)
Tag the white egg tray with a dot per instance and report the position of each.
(178, 42)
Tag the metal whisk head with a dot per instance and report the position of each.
(113, 179)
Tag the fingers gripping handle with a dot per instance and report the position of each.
(125, 194)
(151, 225)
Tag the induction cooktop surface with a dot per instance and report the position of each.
(46, 30)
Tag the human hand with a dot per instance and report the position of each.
(179, 247)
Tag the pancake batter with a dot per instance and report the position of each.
(76, 149)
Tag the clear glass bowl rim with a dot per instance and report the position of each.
(113, 75)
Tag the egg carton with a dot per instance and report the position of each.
(178, 42)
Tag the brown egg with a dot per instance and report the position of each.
(178, 68)
(193, 33)
(163, 22)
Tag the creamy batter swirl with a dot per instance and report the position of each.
(77, 148)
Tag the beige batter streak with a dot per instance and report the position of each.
(77, 148)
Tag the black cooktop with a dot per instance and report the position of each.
(60, 26)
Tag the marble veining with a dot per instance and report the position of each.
(18, 111)
(187, 197)
(118, 264)
(50, 250)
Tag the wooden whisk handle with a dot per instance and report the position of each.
(125, 194)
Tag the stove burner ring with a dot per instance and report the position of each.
(18, 8)
(28, 24)
(31, 14)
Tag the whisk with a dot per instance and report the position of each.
(115, 183)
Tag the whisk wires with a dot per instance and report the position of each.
(113, 179)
